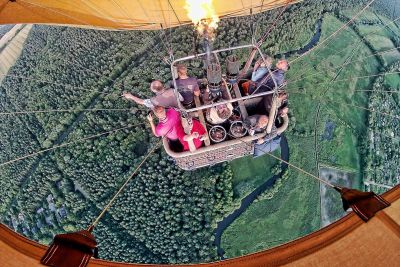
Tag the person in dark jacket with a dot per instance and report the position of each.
(187, 86)
(266, 83)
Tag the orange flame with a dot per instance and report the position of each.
(203, 15)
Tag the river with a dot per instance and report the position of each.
(246, 202)
(313, 42)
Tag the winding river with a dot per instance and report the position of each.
(246, 202)
(314, 40)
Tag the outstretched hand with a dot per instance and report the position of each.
(127, 95)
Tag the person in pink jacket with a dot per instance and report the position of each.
(169, 124)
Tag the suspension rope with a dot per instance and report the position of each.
(53, 83)
(161, 37)
(87, 24)
(262, 39)
(89, 4)
(300, 169)
(307, 65)
(68, 143)
(379, 91)
(164, 38)
(171, 9)
(107, 207)
(61, 110)
(262, 18)
(123, 11)
(251, 23)
(361, 90)
(66, 62)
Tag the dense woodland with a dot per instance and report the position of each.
(166, 215)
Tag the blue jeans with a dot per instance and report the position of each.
(267, 147)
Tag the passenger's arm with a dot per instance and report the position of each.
(206, 96)
(153, 127)
(133, 98)
(196, 87)
(196, 90)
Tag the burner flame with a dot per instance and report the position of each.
(203, 16)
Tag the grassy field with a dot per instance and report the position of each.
(392, 81)
(292, 213)
(336, 96)
(295, 209)
(249, 173)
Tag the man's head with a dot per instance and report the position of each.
(263, 121)
(182, 70)
(282, 64)
(160, 112)
(156, 86)
(223, 111)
